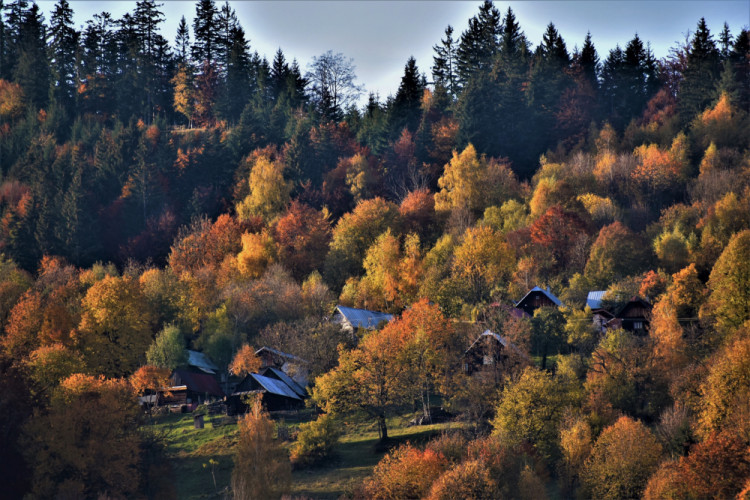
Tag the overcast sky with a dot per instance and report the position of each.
(381, 35)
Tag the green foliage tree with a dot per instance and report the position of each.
(531, 410)
(168, 350)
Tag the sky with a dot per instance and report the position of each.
(381, 35)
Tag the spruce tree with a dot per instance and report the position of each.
(205, 31)
(479, 43)
(589, 61)
(182, 42)
(63, 51)
(32, 70)
(700, 75)
(444, 63)
(406, 109)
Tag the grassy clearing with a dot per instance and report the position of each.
(191, 449)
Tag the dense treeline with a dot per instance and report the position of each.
(236, 200)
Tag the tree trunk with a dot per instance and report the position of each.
(426, 406)
(382, 429)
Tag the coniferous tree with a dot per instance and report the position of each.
(237, 88)
(182, 42)
(444, 63)
(63, 52)
(226, 28)
(205, 32)
(740, 59)
(589, 61)
(406, 109)
(700, 75)
(32, 67)
(479, 43)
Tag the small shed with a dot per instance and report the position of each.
(536, 298)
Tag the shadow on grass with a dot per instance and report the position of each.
(357, 455)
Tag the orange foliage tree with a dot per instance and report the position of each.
(302, 235)
(407, 472)
(621, 461)
(88, 443)
(261, 464)
(245, 361)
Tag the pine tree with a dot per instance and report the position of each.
(406, 109)
(32, 70)
(63, 50)
(227, 25)
(444, 63)
(205, 31)
(479, 43)
(701, 73)
(182, 42)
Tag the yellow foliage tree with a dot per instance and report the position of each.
(258, 252)
(461, 182)
(484, 258)
(261, 465)
(621, 461)
(116, 326)
(269, 192)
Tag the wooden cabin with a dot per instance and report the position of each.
(633, 316)
(275, 393)
(189, 389)
(536, 298)
(492, 353)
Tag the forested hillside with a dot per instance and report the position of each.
(162, 195)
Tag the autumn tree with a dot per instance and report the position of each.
(726, 390)
(484, 258)
(245, 361)
(617, 252)
(371, 379)
(729, 285)
(302, 235)
(184, 92)
(531, 410)
(621, 461)
(261, 464)
(406, 472)
(354, 233)
(88, 443)
(269, 192)
(150, 378)
(115, 329)
(258, 252)
(50, 364)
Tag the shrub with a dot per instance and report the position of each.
(315, 441)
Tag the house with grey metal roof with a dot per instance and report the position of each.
(352, 319)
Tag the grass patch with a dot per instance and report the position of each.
(189, 449)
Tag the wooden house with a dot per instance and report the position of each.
(276, 394)
(189, 389)
(293, 366)
(633, 316)
(536, 298)
(491, 352)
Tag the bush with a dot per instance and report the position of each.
(315, 441)
(407, 472)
